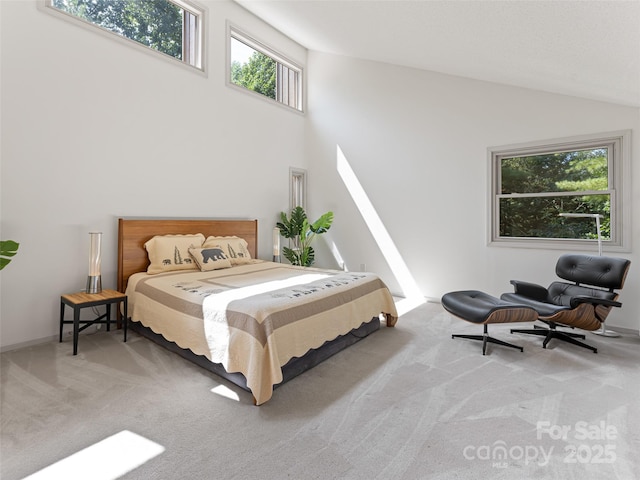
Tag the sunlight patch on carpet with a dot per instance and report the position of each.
(225, 392)
(108, 459)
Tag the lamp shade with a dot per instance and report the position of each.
(94, 281)
(276, 244)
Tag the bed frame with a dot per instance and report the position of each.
(133, 233)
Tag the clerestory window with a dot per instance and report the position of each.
(549, 193)
(172, 27)
(259, 69)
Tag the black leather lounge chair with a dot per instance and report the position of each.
(584, 301)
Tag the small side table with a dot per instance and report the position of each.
(81, 300)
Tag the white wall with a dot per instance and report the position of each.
(418, 142)
(93, 130)
(86, 138)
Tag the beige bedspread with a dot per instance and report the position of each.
(254, 318)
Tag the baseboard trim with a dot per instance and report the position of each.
(627, 331)
(30, 343)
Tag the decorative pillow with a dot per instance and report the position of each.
(209, 259)
(235, 248)
(171, 252)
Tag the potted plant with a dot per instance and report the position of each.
(301, 233)
(8, 248)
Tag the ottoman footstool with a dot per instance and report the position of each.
(483, 309)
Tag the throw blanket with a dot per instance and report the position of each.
(254, 318)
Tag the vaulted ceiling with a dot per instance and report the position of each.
(583, 48)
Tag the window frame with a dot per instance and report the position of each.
(297, 188)
(619, 188)
(189, 49)
(234, 32)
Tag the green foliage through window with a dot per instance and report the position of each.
(258, 69)
(534, 189)
(158, 24)
(257, 74)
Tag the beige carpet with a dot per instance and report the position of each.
(407, 402)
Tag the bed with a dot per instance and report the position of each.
(256, 323)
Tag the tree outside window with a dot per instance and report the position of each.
(161, 25)
(258, 73)
(259, 69)
(535, 189)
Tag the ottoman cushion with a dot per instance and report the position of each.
(479, 307)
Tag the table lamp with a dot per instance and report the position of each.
(276, 244)
(94, 280)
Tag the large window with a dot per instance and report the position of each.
(259, 69)
(535, 186)
(171, 27)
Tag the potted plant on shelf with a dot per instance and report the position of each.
(301, 233)
(8, 248)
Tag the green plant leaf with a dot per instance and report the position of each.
(291, 255)
(309, 257)
(298, 217)
(304, 232)
(8, 248)
(292, 227)
(322, 224)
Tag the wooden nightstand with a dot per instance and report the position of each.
(81, 300)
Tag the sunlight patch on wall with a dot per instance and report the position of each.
(412, 294)
(108, 459)
(336, 255)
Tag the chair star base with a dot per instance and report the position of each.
(551, 332)
(487, 339)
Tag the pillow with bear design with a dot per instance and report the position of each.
(235, 248)
(210, 258)
(168, 253)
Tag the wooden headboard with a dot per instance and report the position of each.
(134, 233)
